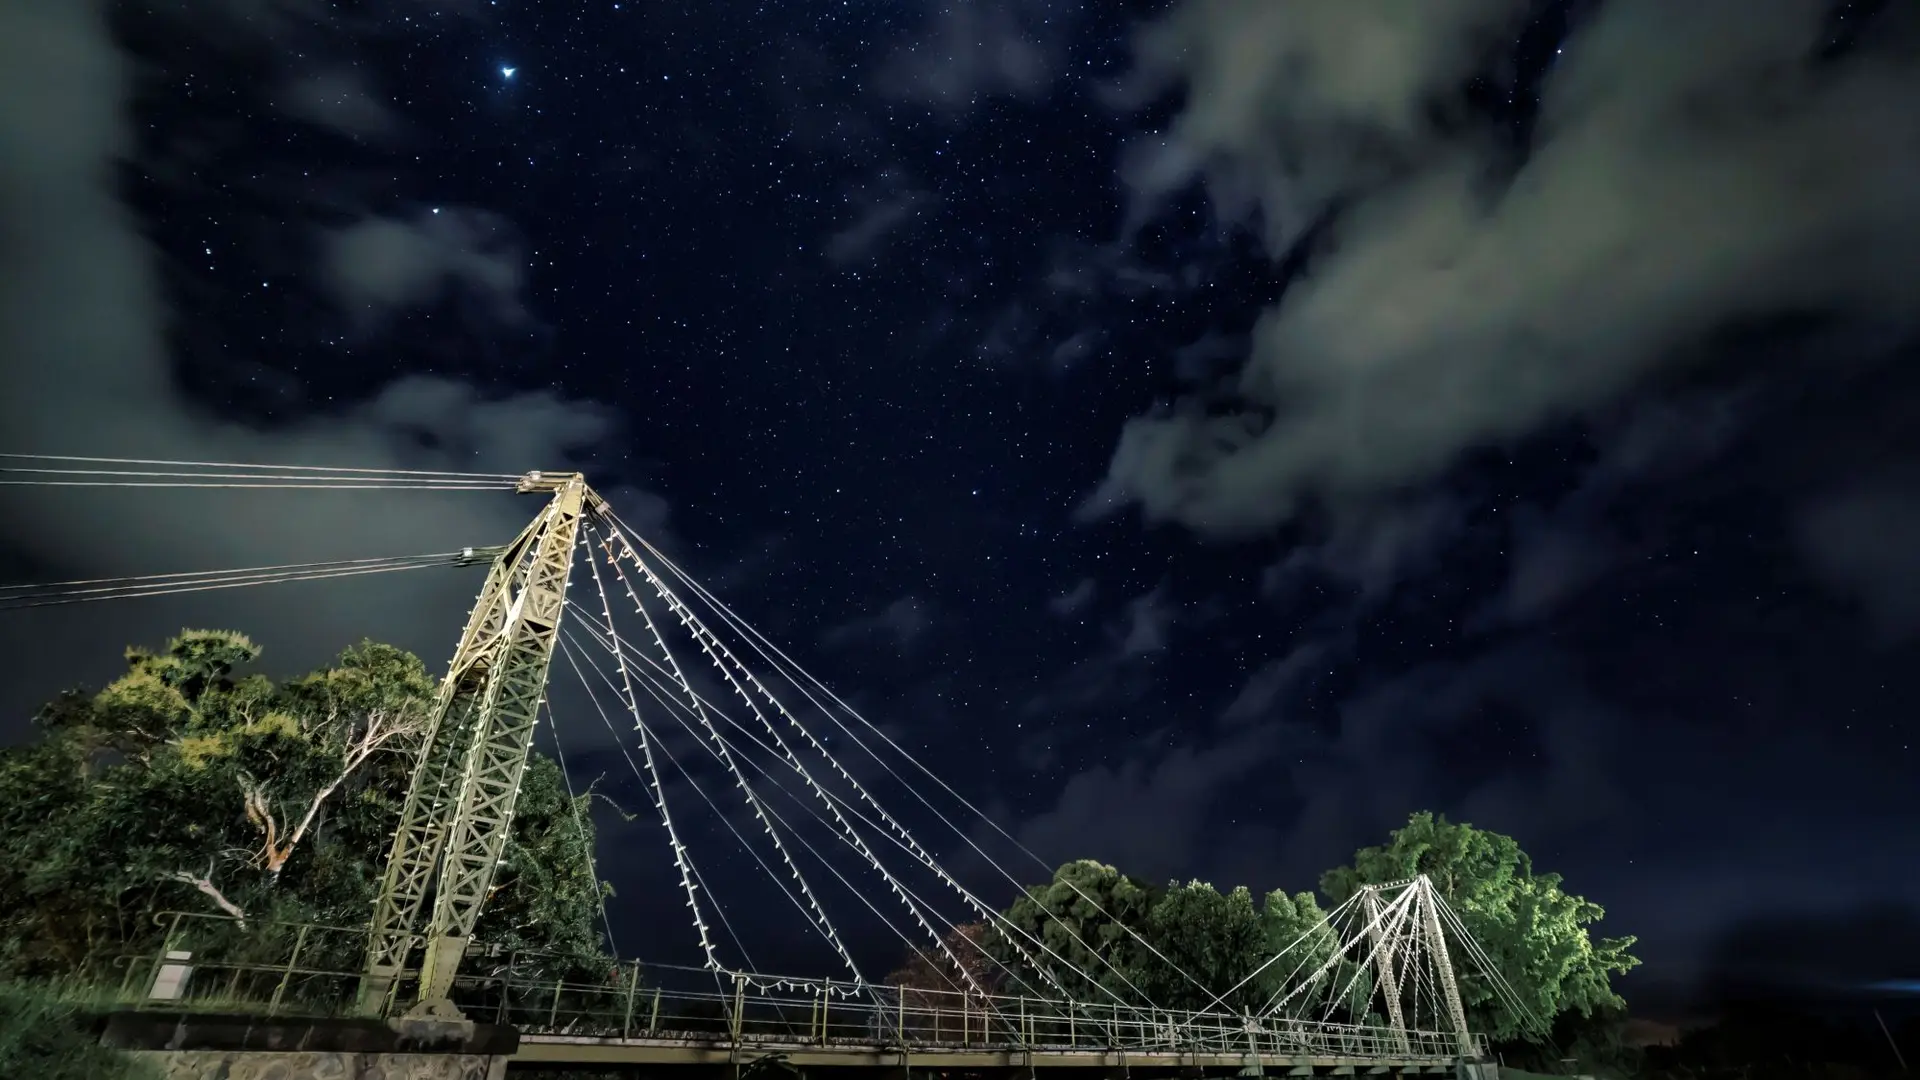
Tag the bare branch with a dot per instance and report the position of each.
(382, 728)
(204, 883)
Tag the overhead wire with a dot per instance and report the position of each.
(158, 462)
(19, 597)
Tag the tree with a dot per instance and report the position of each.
(1207, 947)
(188, 785)
(1297, 939)
(931, 970)
(1535, 934)
(1083, 931)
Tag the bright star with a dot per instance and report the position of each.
(507, 72)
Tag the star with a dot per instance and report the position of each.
(507, 72)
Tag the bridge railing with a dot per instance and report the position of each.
(216, 964)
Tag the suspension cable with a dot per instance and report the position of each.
(992, 917)
(677, 710)
(719, 909)
(756, 640)
(195, 574)
(753, 800)
(720, 655)
(580, 828)
(681, 860)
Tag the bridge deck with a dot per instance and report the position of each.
(549, 1049)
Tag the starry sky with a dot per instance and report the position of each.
(1209, 430)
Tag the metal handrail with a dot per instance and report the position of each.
(650, 1001)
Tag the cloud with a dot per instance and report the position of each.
(1416, 741)
(1149, 624)
(1074, 600)
(1266, 691)
(1862, 542)
(1372, 547)
(1550, 564)
(1149, 812)
(904, 621)
(882, 214)
(1069, 353)
(341, 100)
(381, 265)
(967, 53)
(83, 327)
(1691, 167)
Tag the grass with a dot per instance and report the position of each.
(47, 1034)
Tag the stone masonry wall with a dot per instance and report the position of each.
(310, 1065)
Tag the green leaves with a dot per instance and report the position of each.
(1534, 933)
(1109, 935)
(186, 763)
(1076, 929)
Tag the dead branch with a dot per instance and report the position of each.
(205, 884)
(382, 728)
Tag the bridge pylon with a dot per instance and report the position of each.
(1429, 904)
(466, 780)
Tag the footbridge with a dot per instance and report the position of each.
(712, 712)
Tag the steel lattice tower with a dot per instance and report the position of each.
(459, 809)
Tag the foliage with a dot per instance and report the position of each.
(46, 1038)
(1082, 931)
(188, 785)
(1191, 946)
(1534, 933)
(1205, 944)
(967, 948)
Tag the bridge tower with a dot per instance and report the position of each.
(466, 780)
(1429, 903)
(1383, 967)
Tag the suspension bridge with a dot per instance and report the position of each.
(718, 723)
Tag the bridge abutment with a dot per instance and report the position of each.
(250, 1048)
(319, 1065)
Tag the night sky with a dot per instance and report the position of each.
(1209, 431)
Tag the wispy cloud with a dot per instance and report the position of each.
(83, 324)
(1692, 165)
(1074, 600)
(902, 622)
(966, 54)
(377, 266)
(341, 99)
(883, 211)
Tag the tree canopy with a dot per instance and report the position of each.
(1106, 936)
(189, 784)
(1535, 933)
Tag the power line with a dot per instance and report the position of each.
(242, 465)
